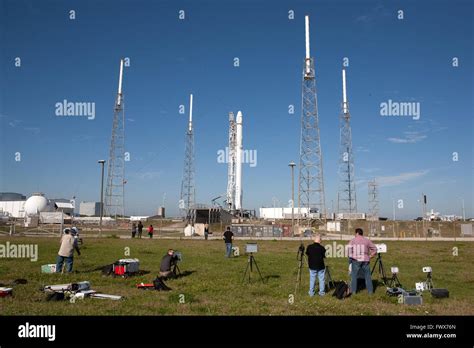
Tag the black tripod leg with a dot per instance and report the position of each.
(246, 270)
(382, 272)
(375, 265)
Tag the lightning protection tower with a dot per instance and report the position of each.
(188, 193)
(310, 180)
(346, 201)
(114, 192)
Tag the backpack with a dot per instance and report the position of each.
(160, 285)
(342, 290)
(439, 293)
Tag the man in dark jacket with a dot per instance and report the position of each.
(316, 254)
(228, 237)
(140, 229)
(168, 265)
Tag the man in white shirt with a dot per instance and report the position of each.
(66, 251)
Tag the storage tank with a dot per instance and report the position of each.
(36, 204)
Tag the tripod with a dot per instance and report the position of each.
(251, 261)
(328, 279)
(300, 257)
(429, 282)
(381, 268)
(176, 270)
(394, 282)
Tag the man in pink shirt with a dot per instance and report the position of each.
(361, 250)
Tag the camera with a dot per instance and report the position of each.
(251, 248)
(427, 269)
(381, 248)
(420, 286)
(394, 270)
(177, 256)
(300, 254)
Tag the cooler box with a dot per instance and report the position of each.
(126, 266)
(51, 268)
(4, 292)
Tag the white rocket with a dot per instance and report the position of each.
(238, 169)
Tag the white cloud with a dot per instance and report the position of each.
(400, 178)
(34, 130)
(409, 137)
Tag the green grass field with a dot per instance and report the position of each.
(215, 288)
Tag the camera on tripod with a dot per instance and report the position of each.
(428, 283)
(251, 248)
(381, 248)
(178, 256)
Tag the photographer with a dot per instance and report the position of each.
(168, 264)
(66, 251)
(316, 254)
(361, 250)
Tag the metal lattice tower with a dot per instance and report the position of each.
(310, 181)
(188, 192)
(373, 213)
(346, 199)
(114, 192)
(232, 158)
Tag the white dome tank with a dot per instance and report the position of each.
(36, 204)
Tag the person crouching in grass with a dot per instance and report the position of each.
(316, 254)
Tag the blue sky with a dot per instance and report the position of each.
(407, 60)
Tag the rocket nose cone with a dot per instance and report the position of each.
(239, 116)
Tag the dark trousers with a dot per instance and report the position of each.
(365, 267)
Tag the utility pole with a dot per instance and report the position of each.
(101, 207)
(292, 166)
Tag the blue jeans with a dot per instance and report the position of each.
(312, 280)
(60, 261)
(228, 248)
(365, 266)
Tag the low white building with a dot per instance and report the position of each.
(277, 213)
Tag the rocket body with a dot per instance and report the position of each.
(238, 169)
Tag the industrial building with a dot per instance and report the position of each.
(89, 209)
